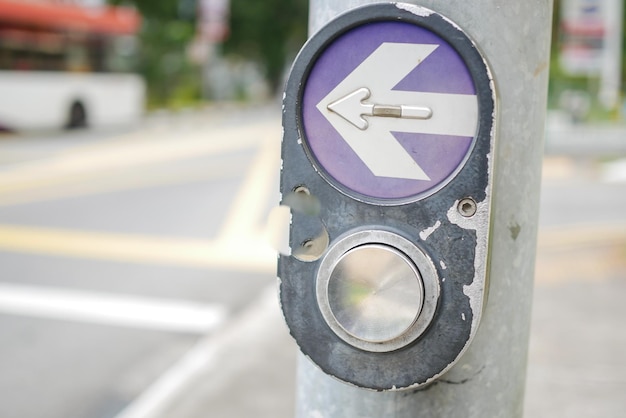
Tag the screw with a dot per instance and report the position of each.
(467, 207)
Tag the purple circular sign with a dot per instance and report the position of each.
(389, 111)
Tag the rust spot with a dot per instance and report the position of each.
(540, 68)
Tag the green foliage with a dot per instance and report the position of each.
(164, 63)
(269, 32)
(161, 9)
(561, 81)
(172, 81)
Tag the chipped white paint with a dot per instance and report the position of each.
(416, 10)
(423, 12)
(479, 223)
(462, 316)
(443, 265)
(429, 231)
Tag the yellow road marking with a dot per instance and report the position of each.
(248, 207)
(253, 253)
(591, 235)
(250, 254)
(39, 174)
(98, 183)
(97, 169)
(584, 252)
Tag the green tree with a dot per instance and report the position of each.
(171, 79)
(561, 81)
(269, 32)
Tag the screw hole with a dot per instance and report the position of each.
(467, 207)
(312, 249)
(302, 189)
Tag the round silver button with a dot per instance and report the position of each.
(375, 293)
(376, 290)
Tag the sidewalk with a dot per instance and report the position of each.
(576, 365)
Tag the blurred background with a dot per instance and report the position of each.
(139, 159)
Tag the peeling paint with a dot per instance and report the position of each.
(416, 10)
(428, 231)
(479, 223)
(475, 291)
(540, 68)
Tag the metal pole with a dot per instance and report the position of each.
(489, 379)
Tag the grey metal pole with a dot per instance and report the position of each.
(489, 379)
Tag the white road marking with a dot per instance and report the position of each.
(109, 309)
(257, 322)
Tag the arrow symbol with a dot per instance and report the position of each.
(367, 126)
(352, 109)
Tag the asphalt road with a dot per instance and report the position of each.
(121, 249)
(126, 253)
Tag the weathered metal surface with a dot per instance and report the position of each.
(454, 245)
(489, 379)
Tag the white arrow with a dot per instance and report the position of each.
(352, 108)
(371, 138)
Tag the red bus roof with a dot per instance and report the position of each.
(119, 20)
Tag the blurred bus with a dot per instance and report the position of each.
(63, 65)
